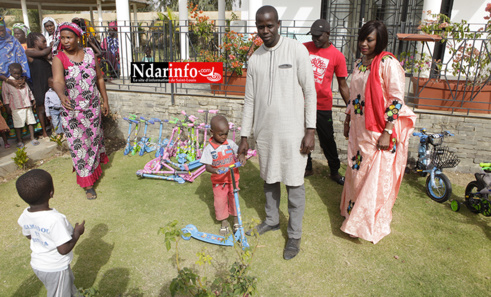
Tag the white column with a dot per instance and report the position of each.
(253, 6)
(99, 14)
(92, 16)
(244, 10)
(124, 35)
(40, 12)
(221, 12)
(221, 19)
(24, 12)
(183, 24)
(136, 27)
(434, 6)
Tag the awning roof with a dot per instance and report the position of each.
(70, 5)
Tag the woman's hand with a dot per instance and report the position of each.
(105, 108)
(66, 103)
(18, 84)
(346, 125)
(384, 141)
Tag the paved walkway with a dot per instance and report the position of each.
(44, 150)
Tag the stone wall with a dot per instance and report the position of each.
(472, 140)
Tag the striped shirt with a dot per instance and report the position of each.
(17, 98)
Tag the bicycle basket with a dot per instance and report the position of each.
(441, 157)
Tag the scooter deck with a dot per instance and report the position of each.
(207, 237)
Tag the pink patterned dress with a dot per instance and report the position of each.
(82, 125)
(373, 177)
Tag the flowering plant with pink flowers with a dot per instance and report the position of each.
(469, 49)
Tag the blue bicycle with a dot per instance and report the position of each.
(432, 158)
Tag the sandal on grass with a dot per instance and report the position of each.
(224, 231)
(90, 194)
(235, 228)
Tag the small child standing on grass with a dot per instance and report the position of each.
(18, 103)
(218, 155)
(52, 106)
(52, 237)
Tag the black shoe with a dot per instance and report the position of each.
(338, 179)
(308, 172)
(263, 228)
(291, 249)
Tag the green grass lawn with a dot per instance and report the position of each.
(431, 251)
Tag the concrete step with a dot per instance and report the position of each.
(44, 150)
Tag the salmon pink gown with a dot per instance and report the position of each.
(373, 177)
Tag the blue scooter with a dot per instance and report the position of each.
(131, 119)
(239, 236)
(145, 141)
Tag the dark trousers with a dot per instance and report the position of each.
(325, 132)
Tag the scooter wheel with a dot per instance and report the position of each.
(186, 234)
(455, 205)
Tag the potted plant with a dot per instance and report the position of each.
(469, 65)
(232, 49)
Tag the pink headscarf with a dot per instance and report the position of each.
(113, 25)
(72, 27)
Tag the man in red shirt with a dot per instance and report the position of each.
(326, 61)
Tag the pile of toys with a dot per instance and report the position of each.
(177, 158)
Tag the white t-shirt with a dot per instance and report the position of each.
(48, 230)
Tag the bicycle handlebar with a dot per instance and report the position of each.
(208, 111)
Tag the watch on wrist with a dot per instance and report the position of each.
(389, 131)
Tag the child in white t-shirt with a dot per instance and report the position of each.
(52, 237)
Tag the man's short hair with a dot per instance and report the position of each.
(35, 186)
(382, 34)
(268, 9)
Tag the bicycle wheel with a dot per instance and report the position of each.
(442, 189)
(472, 198)
(486, 207)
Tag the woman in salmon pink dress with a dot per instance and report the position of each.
(378, 125)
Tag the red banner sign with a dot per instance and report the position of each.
(177, 72)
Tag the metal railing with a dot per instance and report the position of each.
(163, 40)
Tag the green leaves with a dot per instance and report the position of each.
(188, 282)
(21, 158)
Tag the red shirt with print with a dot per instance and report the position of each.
(325, 62)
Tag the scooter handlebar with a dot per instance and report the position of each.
(235, 165)
(208, 111)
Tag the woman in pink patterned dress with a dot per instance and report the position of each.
(378, 125)
(78, 81)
